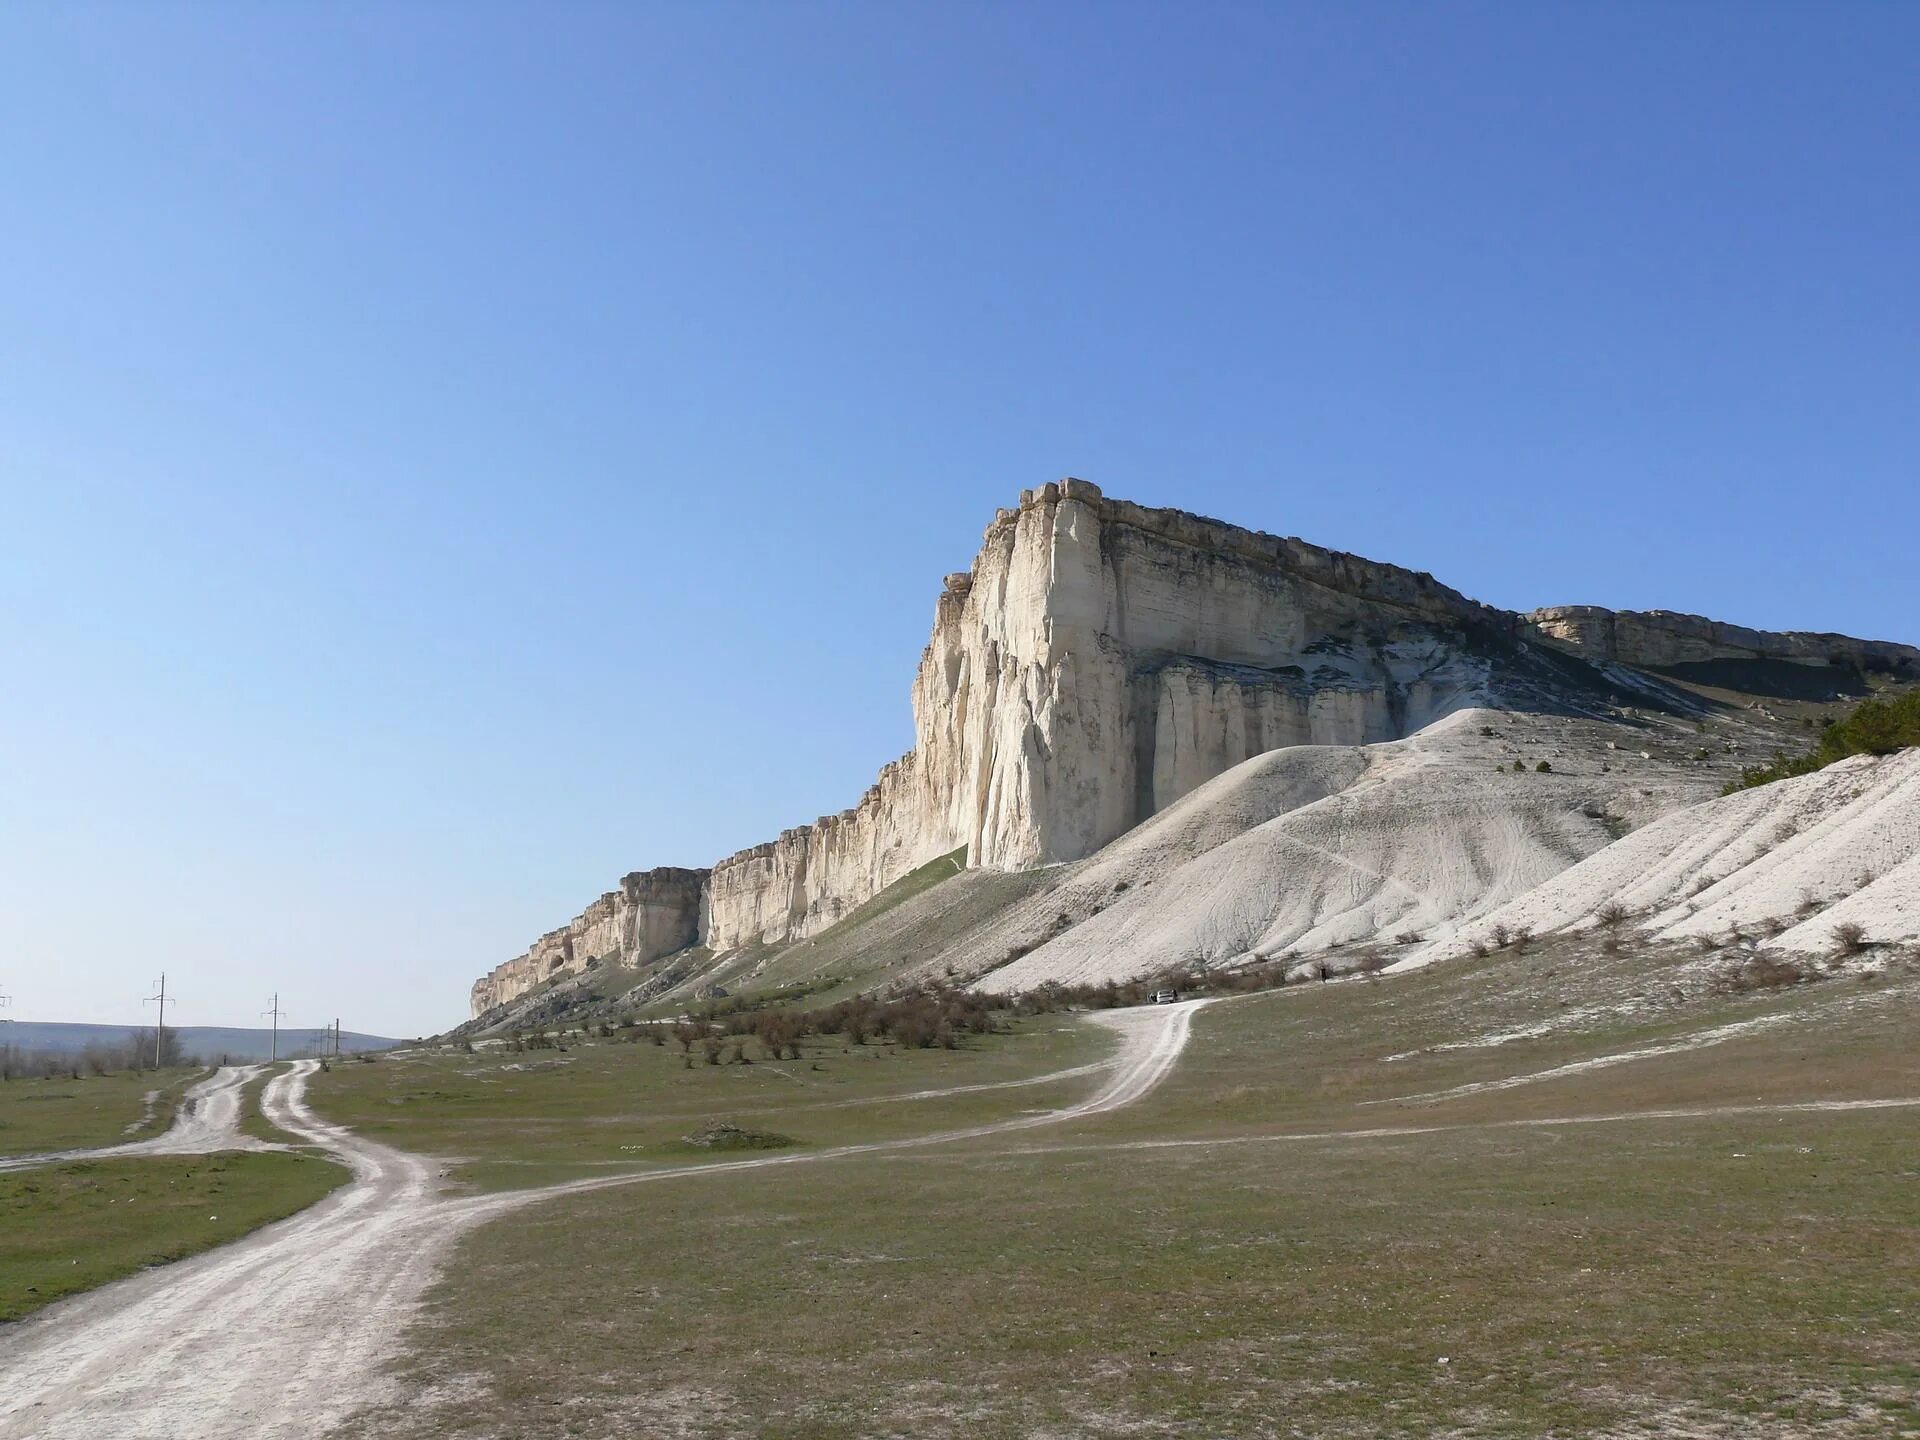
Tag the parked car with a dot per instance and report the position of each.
(1163, 997)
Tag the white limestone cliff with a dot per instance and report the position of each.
(654, 913)
(1099, 661)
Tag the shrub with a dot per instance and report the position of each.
(1873, 727)
(1543, 768)
(1612, 914)
(1766, 972)
(1850, 938)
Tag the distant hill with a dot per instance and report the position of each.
(207, 1042)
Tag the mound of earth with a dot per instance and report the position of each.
(722, 1136)
(1305, 850)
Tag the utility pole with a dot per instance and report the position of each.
(160, 1025)
(276, 1012)
(336, 1037)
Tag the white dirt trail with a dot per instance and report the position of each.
(285, 1333)
(208, 1120)
(1531, 1122)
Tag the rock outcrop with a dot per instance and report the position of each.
(1660, 639)
(654, 913)
(1101, 660)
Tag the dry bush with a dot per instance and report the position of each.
(1611, 914)
(1766, 972)
(1849, 938)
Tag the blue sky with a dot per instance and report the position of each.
(452, 455)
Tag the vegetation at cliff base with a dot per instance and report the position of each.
(1874, 727)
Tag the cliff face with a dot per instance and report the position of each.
(654, 913)
(1099, 661)
(1102, 659)
(1660, 638)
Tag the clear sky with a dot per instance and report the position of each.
(451, 455)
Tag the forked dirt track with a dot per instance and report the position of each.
(286, 1332)
(208, 1120)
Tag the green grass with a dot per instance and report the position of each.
(253, 1120)
(68, 1228)
(921, 914)
(1649, 1273)
(95, 1110)
(1315, 1057)
(945, 867)
(516, 1119)
(1220, 1260)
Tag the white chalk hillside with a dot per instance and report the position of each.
(1306, 848)
(1808, 854)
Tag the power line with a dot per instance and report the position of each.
(276, 1012)
(160, 1024)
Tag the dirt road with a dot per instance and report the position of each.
(285, 1333)
(208, 1120)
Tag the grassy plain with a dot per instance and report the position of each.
(1310, 1229)
(511, 1119)
(68, 1228)
(94, 1110)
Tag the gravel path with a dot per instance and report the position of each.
(286, 1333)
